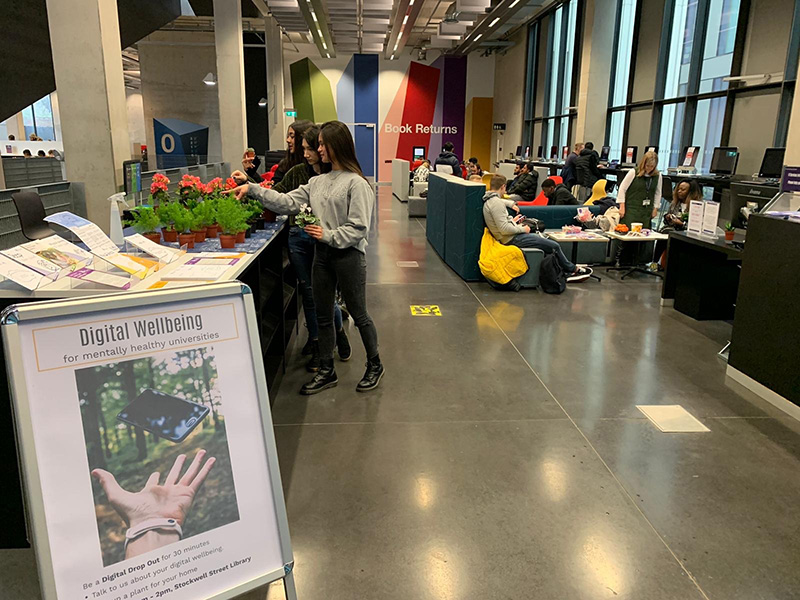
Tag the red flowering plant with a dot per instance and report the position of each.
(191, 189)
(159, 192)
(230, 183)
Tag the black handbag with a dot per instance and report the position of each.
(534, 224)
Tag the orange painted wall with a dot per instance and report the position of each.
(478, 131)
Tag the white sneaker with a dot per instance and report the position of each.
(582, 274)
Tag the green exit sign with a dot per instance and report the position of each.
(291, 113)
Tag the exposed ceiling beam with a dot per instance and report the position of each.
(314, 14)
(404, 20)
(501, 13)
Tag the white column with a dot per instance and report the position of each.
(275, 84)
(595, 72)
(84, 36)
(230, 80)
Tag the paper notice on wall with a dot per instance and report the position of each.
(710, 218)
(695, 224)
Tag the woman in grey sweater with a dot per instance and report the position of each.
(343, 201)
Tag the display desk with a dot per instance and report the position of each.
(702, 276)
(765, 343)
(268, 274)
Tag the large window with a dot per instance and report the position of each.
(550, 89)
(38, 119)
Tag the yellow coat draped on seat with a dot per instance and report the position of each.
(498, 262)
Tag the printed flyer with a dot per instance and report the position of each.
(151, 451)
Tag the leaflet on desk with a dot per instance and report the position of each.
(20, 274)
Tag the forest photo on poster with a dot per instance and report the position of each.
(120, 403)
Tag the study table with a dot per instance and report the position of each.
(266, 271)
(702, 275)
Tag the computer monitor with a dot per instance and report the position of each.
(604, 153)
(724, 160)
(565, 152)
(772, 163)
(630, 155)
(651, 149)
(527, 152)
(132, 170)
(690, 154)
(519, 151)
(540, 152)
(553, 152)
(418, 152)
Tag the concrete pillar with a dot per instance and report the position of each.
(230, 80)
(275, 84)
(595, 75)
(792, 157)
(84, 36)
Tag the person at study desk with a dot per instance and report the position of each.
(422, 172)
(639, 196)
(523, 188)
(685, 192)
(557, 194)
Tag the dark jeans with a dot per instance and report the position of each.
(531, 240)
(346, 268)
(301, 255)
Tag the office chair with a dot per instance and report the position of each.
(31, 215)
(447, 169)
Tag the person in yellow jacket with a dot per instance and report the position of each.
(507, 231)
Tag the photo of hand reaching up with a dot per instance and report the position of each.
(156, 503)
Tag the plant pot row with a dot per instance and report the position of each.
(196, 236)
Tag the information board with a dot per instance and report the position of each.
(148, 455)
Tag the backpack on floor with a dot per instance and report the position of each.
(552, 278)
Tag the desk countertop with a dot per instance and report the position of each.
(638, 238)
(718, 244)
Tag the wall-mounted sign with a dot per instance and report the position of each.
(499, 126)
(791, 179)
(291, 113)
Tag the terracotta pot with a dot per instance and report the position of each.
(227, 241)
(153, 237)
(212, 231)
(240, 237)
(170, 235)
(187, 238)
(729, 236)
(269, 216)
(199, 235)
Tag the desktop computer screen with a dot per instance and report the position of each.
(519, 151)
(553, 152)
(772, 163)
(690, 156)
(539, 152)
(724, 160)
(528, 152)
(565, 152)
(418, 152)
(604, 153)
(132, 170)
(630, 154)
(651, 149)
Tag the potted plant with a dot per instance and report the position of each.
(730, 230)
(204, 215)
(214, 189)
(305, 217)
(146, 221)
(266, 214)
(253, 209)
(184, 221)
(191, 189)
(166, 214)
(231, 218)
(159, 192)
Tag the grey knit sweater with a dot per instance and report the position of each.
(343, 201)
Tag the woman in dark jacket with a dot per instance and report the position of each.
(294, 148)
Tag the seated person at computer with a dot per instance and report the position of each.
(558, 194)
(685, 192)
(506, 230)
(473, 168)
(448, 157)
(421, 172)
(524, 184)
(568, 174)
(639, 196)
(586, 169)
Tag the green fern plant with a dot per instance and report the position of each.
(231, 216)
(144, 220)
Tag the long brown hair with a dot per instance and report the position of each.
(340, 147)
(311, 137)
(295, 158)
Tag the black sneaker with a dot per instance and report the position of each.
(312, 366)
(306, 351)
(580, 274)
(372, 376)
(343, 345)
(324, 379)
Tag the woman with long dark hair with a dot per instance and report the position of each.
(294, 148)
(343, 201)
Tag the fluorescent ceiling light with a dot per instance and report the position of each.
(477, 37)
(411, 3)
(324, 46)
(392, 57)
(314, 16)
(396, 44)
(405, 19)
(494, 22)
(210, 79)
(513, 4)
(262, 102)
(328, 55)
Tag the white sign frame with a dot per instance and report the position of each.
(35, 506)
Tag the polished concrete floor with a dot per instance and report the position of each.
(503, 456)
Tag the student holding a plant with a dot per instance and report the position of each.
(342, 201)
(301, 251)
